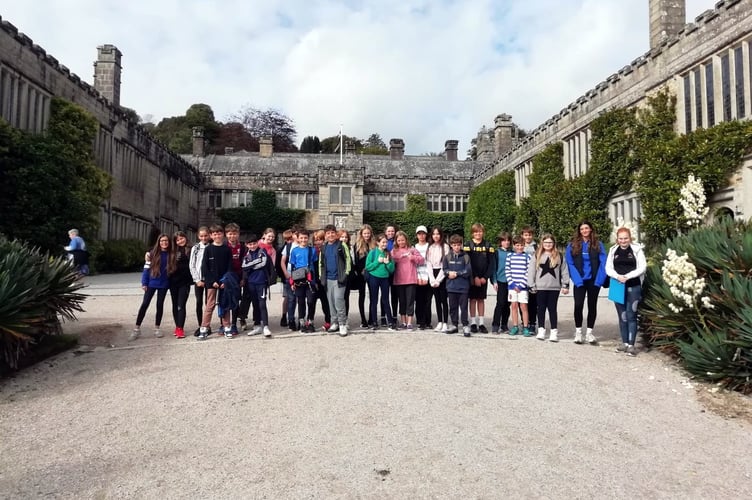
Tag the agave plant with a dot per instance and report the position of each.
(36, 292)
(713, 335)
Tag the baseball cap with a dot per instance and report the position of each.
(421, 228)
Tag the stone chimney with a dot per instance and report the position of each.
(503, 141)
(349, 148)
(198, 141)
(450, 149)
(667, 18)
(484, 145)
(229, 150)
(107, 70)
(396, 149)
(266, 147)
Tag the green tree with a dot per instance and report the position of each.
(311, 144)
(330, 145)
(233, 135)
(492, 203)
(374, 145)
(269, 123)
(176, 131)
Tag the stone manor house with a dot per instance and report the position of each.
(706, 64)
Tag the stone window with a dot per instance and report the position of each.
(215, 199)
(446, 202)
(726, 87)
(239, 199)
(384, 202)
(739, 81)
(340, 195)
(300, 201)
(709, 94)
(687, 105)
(698, 97)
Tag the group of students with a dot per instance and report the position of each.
(403, 279)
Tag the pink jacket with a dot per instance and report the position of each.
(406, 262)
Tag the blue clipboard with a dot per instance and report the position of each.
(617, 291)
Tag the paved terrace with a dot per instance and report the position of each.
(384, 415)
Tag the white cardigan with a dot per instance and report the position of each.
(639, 271)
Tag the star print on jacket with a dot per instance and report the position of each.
(546, 268)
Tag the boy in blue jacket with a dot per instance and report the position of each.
(458, 270)
(256, 279)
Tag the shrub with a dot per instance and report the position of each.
(36, 291)
(117, 256)
(710, 331)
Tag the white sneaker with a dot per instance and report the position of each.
(554, 335)
(134, 334)
(256, 330)
(444, 328)
(590, 338)
(578, 337)
(202, 333)
(342, 331)
(439, 325)
(158, 333)
(541, 334)
(333, 328)
(228, 332)
(267, 332)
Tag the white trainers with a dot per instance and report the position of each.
(267, 332)
(202, 333)
(444, 327)
(135, 334)
(439, 326)
(541, 334)
(578, 337)
(228, 332)
(256, 330)
(554, 335)
(590, 338)
(333, 328)
(158, 333)
(342, 331)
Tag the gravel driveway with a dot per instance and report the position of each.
(385, 415)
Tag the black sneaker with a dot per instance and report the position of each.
(383, 321)
(243, 324)
(482, 329)
(283, 322)
(473, 328)
(197, 332)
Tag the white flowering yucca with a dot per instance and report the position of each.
(681, 277)
(693, 201)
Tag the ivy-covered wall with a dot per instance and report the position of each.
(415, 215)
(262, 213)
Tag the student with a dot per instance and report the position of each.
(379, 267)
(155, 279)
(79, 256)
(483, 259)
(303, 259)
(319, 292)
(334, 268)
(288, 301)
(626, 263)
(530, 248)
(406, 261)
(500, 321)
(180, 282)
(256, 281)
(197, 257)
(437, 250)
(238, 249)
(516, 271)
(216, 267)
(422, 288)
(548, 275)
(364, 243)
(390, 231)
(344, 237)
(586, 258)
(459, 271)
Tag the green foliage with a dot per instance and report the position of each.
(177, 131)
(713, 343)
(119, 256)
(492, 204)
(415, 215)
(49, 182)
(262, 213)
(34, 289)
(310, 144)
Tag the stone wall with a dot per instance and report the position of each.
(152, 185)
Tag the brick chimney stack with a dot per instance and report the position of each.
(198, 141)
(396, 149)
(667, 18)
(107, 70)
(450, 149)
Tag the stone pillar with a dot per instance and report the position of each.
(503, 140)
(396, 149)
(266, 147)
(667, 18)
(107, 70)
(198, 141)
(450, 149)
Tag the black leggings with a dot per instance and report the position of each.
(200, 293)
(148, 294)
(547, 301)
(588, 288)
(179, 298)
(440, 298)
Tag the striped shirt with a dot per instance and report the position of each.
(516, 269)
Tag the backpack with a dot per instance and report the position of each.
(271, 271)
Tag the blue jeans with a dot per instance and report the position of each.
(376, 285)
(628, 314)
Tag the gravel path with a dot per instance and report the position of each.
(386, 415)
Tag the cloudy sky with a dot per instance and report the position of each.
(421, 70)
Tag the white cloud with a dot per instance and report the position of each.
(424, 71)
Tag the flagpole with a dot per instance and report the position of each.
(341, 148)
